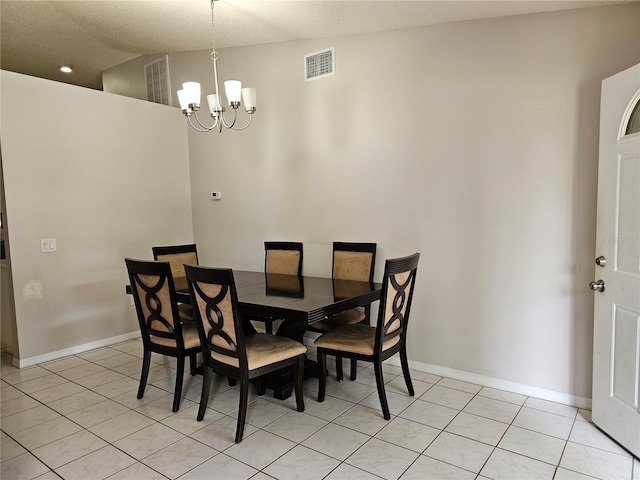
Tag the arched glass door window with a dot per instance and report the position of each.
(634, 120)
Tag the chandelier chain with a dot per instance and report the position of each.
(213, 31)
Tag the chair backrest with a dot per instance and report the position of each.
(395, 300)
(154, 296)
(215, 302)
(283, 257)
(354, 261)
(177, 256)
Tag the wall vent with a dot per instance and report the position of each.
(319, 65)
(156, 79)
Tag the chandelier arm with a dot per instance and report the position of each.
(195, 114)
(235, 117)
(195, 127)
(242, 128)
(204, 127)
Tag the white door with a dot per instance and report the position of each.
(616, 353)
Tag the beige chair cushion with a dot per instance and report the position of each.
(186, 312)
(177, 261)
(189, 333)
(352, 265)
(282, 261)
(264, 349)
(226, 309)
(355, 315)
(159, 301)
(391, 322)
(357, 338)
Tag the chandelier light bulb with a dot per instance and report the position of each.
(184, 102)
(249, 98)
(232, 88)
(193, 92)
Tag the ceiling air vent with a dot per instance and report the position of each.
(156, 79)
(319, 65)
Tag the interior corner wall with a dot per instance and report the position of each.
(108, 177)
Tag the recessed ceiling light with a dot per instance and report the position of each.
(66, 69)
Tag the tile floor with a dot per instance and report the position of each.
(78, 418)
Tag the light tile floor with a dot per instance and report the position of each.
(78, 418)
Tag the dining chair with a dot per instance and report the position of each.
(225, 347)
(377, 343)
(177, 256)
(161, 328)
(351, 261)
(283, 258)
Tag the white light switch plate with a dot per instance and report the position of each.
(48, 245)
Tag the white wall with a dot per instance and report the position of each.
(108, 177)
(474, 143)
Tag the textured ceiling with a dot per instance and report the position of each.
(37, 37)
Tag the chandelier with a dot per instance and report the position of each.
(189, 97)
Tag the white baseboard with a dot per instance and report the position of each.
(491, 382)
(47, 357)
(497, 383)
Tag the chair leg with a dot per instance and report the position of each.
(268, 327)
(354, 362)
(381, 393)
(261, 388)
(322, 383)
(178, 389)
(146, 360)
(192, 364)
(367, 315)
(242, 410)
(206, 388)
(298, 373)
(405, 370)
(339, 374)
(232, 381)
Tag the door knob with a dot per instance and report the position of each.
(599, 286)
(601, 261)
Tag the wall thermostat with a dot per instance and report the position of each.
(215, 195)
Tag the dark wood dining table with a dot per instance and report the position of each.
(290, 297)
(297, 300)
